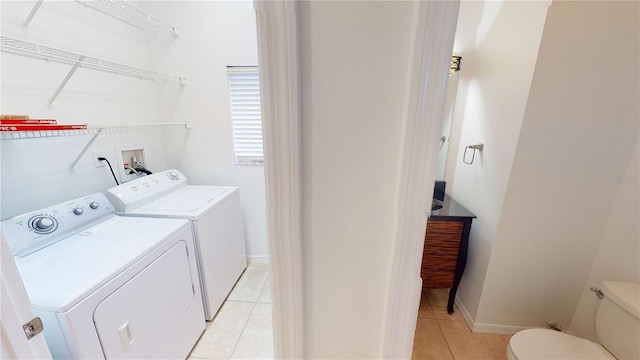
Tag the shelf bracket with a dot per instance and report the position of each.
(64, 82)
(84, 150)
(25, 24)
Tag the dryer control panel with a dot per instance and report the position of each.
(133, 194)
(34, 230)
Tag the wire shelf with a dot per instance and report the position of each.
(92, 130)
(128, 13)
(24, 48)
(118, 9)
(42, 52)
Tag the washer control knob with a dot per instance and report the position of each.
(94, 205)
(172, 175)
(43, 223)
(78, 210)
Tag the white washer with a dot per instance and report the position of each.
(107, 286)
(217, 222)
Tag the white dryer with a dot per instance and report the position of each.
(106, 286)
(215, 214)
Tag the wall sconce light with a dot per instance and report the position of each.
(455, 64)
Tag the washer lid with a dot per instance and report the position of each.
(189, 202)
(539, 344)
(61, 275)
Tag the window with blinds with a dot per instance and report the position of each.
(244, 90)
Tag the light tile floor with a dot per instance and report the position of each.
(441, 336)
(242, 327)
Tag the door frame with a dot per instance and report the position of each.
(434, 33)
(16, 310)
(432, 44)
(280, 102)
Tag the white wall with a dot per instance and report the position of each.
(469, 19)
(35, 171)
(580, 129)
(499, 43)
(618, 256)
(213, 34)
(353, 60)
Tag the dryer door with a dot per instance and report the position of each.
(134, 321)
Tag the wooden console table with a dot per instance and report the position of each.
(445, 248)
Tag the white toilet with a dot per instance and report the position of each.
(617, 327)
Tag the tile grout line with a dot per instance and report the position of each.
(236, 342)
(445, 339)
(235, 347)
(267, 280)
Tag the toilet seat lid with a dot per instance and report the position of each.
(550, 344)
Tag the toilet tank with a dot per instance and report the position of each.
(618, 319)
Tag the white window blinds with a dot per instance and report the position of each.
(244, 90)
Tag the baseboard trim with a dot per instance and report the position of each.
(258, 259)
(496, 329)
(486, 328)
(465, 314)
